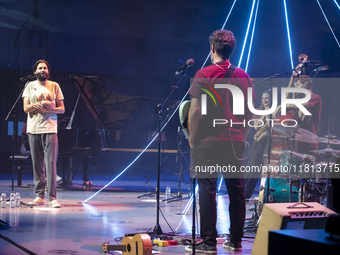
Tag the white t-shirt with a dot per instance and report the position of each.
(42, 122)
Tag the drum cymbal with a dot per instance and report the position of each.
(327, 150)
(324, 163)
(301, 134)
(330, 140)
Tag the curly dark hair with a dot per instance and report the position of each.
(224, 43)
(41, 61)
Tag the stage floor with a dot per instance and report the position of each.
(81, 228)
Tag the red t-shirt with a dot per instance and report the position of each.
(215, 74)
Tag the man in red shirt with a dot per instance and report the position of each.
(219, 146)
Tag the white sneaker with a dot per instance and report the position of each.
(54, 204)
(37, 201)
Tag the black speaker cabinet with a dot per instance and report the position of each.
(276, 216)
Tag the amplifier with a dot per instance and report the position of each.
(276, 216)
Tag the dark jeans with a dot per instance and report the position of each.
(255, 159)
(223, 154)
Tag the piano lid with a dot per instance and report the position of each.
(114, 111)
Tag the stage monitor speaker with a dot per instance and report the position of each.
(276, 216)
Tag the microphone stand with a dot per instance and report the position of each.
(271, 80)
(15, 127)
(159, 111)
(179, 159)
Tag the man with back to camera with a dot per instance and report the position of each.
(222, 144)
(43, 100)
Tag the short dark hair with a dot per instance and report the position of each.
(41, 61)
(305, 79)
(224, 43)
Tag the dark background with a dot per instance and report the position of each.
(136, 46)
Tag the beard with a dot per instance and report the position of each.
(42, 76)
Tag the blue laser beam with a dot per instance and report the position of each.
(126, 168)
(232, 7)
(140, 154)
(220, 184)
(288, 34)
(337, 4)
(336, 39)
(225, 22)
(246, 37)
(187, 207)
(252, 35)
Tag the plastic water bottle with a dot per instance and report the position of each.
(17, 199)
(3, 199)
(167, 192)
(12, 200)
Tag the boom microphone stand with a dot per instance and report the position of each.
(179, 159)
(271, 80)
(159, 111)
(15, 127)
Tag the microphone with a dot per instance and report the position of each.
(28, 77)
(320, 68)
(311, 62)
(189, 63)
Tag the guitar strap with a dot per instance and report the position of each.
(230, 71)
(228, 74)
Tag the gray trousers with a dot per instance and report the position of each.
(44, 153)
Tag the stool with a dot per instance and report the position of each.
(19, 159)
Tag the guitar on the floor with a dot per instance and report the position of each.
(139, 244)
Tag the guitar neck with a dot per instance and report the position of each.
(110, 247)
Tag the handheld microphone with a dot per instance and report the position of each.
(320, 68)
(189, 63)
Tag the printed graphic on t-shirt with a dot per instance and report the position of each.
(41, 94)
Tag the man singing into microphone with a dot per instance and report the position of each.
(43, 100)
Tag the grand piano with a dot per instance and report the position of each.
(122, 125)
